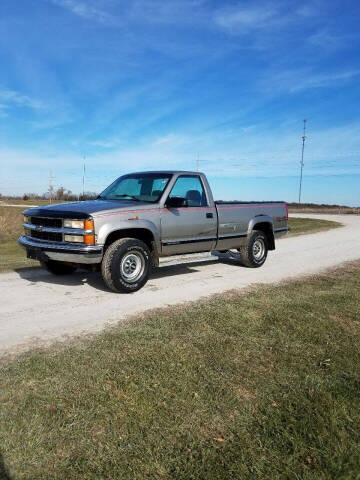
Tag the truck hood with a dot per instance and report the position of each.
(85, 209)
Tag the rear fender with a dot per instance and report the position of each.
(265, 224)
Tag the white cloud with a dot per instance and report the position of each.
(243, 19)
(246, 18)
(330, 41)
(259, 152)
(111, 143)
(90, 9)
(293, 81)
(13, 98)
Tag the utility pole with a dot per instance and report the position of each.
(302, 159)
(197, 163)
(50, 186)
(83, 180)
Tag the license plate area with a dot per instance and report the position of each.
(34, 253)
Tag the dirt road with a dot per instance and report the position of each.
(37, 307)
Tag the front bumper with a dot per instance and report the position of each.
(62, 253)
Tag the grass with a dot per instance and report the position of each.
(13, 256)
(328, 209)
(302, 226)
(262, 385)
(31, 201)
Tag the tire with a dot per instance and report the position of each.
(254, 253)
(58, 268)
(126, 265)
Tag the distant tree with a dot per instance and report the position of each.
(59, 194)
(30, 196)
(25, 197)
(88, 196)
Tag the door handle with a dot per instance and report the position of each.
(209, 215)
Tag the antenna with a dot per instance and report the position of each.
(302, 159)
(83, 180)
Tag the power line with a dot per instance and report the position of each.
(302, 158)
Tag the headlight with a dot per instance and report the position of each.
(73, 223)
(74, 238)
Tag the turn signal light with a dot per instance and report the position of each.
(89, 224)
(89, 239)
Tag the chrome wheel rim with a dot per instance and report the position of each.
(132, 266)
(258, 249)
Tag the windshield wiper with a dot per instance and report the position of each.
(130, 196)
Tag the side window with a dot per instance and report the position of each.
(191, 188)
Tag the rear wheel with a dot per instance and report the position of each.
(58, 268)
(126, 265)
(254, 253)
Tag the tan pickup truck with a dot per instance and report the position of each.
(143, 216)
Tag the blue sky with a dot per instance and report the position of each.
(150, 84)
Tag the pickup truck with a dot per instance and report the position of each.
(143, 216)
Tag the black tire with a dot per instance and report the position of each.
(254, 253)
(126, 265)
(58, 268)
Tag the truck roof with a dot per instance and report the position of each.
(167, 171)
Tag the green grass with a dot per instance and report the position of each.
(13, 257)
(262, 385)
(301, 226)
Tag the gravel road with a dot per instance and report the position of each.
(37, 308)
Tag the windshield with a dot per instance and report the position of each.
(139, 187)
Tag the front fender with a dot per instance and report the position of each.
(107, 228)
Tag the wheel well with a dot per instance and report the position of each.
(267, 229)
(142, 234)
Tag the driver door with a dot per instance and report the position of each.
(191, 228)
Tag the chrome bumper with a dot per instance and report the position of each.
(62, 253)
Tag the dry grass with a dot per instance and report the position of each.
(11, 220)
(12, 255)
(326, 209)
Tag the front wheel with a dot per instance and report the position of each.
(126, 265)
(254, 253)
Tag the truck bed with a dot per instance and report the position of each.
(235, 220)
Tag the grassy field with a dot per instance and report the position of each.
(262, 385)
(325, 209)
(301, 226)
(19, 201)
(13, 256)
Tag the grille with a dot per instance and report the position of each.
(47, 222)
(51, 236)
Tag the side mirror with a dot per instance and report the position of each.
(176, 202)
